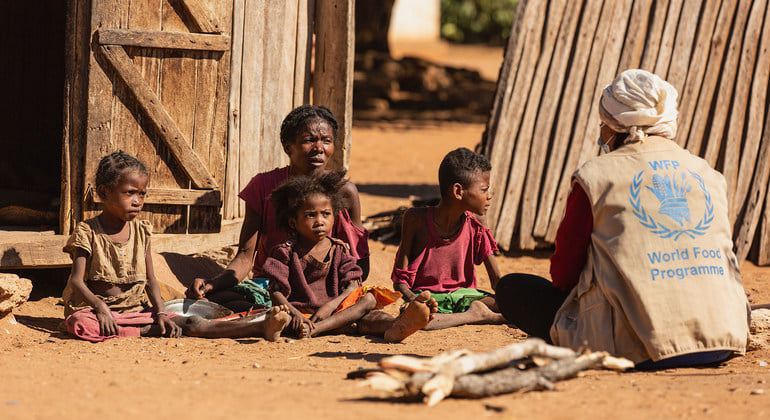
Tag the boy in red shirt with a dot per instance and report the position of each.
(440, 246)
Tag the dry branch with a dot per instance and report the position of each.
(462, 374)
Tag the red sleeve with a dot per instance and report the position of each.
(572, 240)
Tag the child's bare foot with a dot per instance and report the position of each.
(276, 320)
(415, 316)
(484, 314)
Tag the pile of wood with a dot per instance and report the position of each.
(561, 54)
(530, 365)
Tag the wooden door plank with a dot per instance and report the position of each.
(636, 36)
(497, 148)
(754, 118)
(719, 114)
(668, 38)
(209, 133)
(533, 146)
(109, 14)
(163, 39)
(508, 128)
(689, 22)
(201, 14)
(174, 196)
(532, 203)
(231, 190)
(738, 111)
(167, 128)
(695, 126)
(333, 74)
(303, 59)
(251, 136)
(654, 35)
(748, 225)
(581, 119)
(688, 96)
(568, 109)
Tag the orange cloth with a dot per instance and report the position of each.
(383, 296)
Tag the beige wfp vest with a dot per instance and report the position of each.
(661, 278)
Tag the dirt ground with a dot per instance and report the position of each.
(46, 374)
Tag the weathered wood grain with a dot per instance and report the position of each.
(231, 186)
(668, 38)
(546, 120)
(564, 137)
(304, 50)
(530, 181)
(162, 39)
(173, 196)
(695, 126)
(654, 35)
(636, 36)
(205, 20)
(509, 127)
(721, 107)
(690, 20)
(497, 147)
(754, 117)
(168, 130)
(333, 74)
(585, 107)
(747, 228)
(688, 95)
(739, 108)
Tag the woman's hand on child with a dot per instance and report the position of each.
(168, 327)
(198, 289)
(298, 322)
(107, 323)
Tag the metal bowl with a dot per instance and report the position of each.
(201, 308)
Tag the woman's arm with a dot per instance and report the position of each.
(153, 291)
(241, 263)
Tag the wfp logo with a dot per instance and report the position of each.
(672, 191)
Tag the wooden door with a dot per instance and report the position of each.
(157, 87)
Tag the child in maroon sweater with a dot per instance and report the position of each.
(315, 275)
(441, 245)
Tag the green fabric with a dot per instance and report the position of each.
(458, 301)
(254, 290)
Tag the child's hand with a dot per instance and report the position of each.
(301, 324)
(198, 289)
(322, 313)
(167, 325)
(107, 323)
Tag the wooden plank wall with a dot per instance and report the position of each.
(272, 51)
(544, 121)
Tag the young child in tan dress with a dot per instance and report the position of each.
(112, 290)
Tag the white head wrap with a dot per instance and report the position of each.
(639, 103)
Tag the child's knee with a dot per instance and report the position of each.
(369, 301)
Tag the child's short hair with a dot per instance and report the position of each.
(112, 166)
(290, 196)
(459, 166)
(297, 118)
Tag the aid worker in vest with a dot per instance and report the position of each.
(644, 265)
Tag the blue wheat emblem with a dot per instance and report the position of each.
(672, 197)
(673, 203)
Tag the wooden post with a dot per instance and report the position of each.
(333, 74)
